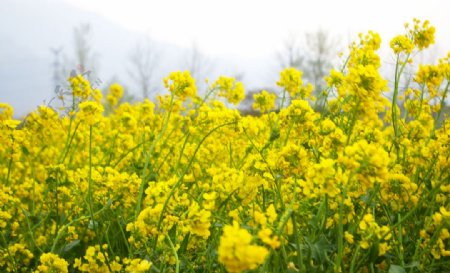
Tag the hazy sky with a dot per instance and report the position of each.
(239, 37)
(254, 28)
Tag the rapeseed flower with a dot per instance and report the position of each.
(236, 250)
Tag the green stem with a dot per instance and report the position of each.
(340, 237)
(90, 202)
(283, 99)
(30, 230)
(285, 217)
(90, 205)
(400, 239)
(124, 237)
(297, 242)
(438, 117)
(206, 97)
(277, 186)
(63, 228)
(426, 198)
(398, 72)
(352, 122)
(355, 255)
(149, 156)
(127, 153)
(67, 144)
(174, 251)
(180, 179)
(10, 162)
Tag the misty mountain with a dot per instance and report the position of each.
(31, 29)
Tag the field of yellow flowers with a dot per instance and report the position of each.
(188, 184)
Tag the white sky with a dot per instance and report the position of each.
(255, 28)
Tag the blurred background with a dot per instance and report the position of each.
(137, 42)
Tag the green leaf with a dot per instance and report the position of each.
(412, 264)
(71, 245)
(184, 243)
(396, 269)
(25, 150)
(319, 248)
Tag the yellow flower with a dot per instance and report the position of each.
(335, 78)
(437, 218)
(373, 234)
(266, 237)
(444, 234)
(365, 82)
(271, 214)
(383, 248)
(52, 263)
(80, 87)
(115, 93)
(10, 124)
(137, 265)
(264, 101)
(364, 244)
(95, 261)
(444, 212)
(422, 34)
(363, 53)
(401, 43)
(116, 90)
(6, 111)
(291, 81)
(199, 221)
(90, 112)
(348, 237)
(230, 89)
(430, 76)
(236, 251)
(181, 84)
(15, 255)
(97, 95)
(4, 218)
(323, 176)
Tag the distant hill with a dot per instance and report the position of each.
(29, 29)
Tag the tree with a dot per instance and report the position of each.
(198, 64)
(83, 61)
(57, 68)
(144, 58)
(314, 57)
(322, 50)
(290, 55)
(85, 58)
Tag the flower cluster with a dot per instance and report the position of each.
(50, 262)
(264, 101)
(230, 89)
(189, 184)
(115, 94)
(291, 81)
(181, 84)
(236, 250)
